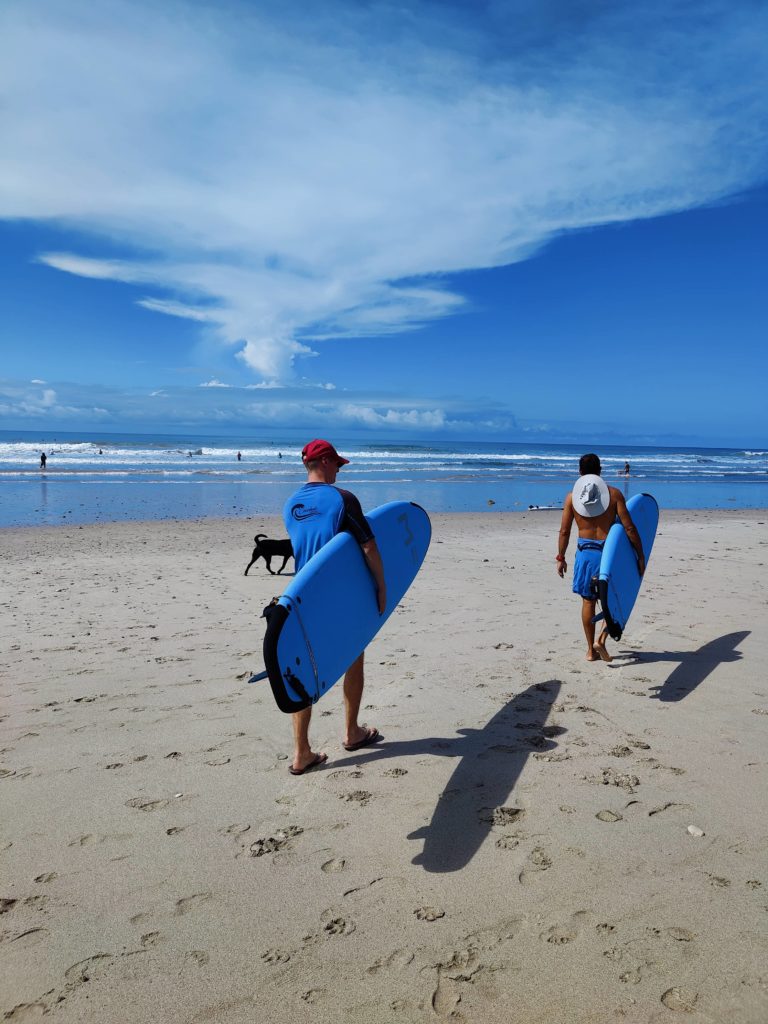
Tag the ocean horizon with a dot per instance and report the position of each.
(102, 477)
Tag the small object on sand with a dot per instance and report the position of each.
(177, 795)
(608, 816)
(695, 831)
(491, 501)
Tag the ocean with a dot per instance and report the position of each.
(109, 477)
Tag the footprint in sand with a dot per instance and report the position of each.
(82, 972)
(608, 816)
(681, 1000)
(559, 935)
(47, 876)
(399, 959)
(506, 815)
(538, 862)
(338, 926)
(564, 933)
(36, 902)
(271, 844)
(507, 842)
(314, 995)
(188, 903)
(275, 956)
(429, 913)
(25, 1013)
(358, 796)
(141, 803)
(26, 939)
(333, 866)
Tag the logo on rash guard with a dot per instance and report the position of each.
(301, 512)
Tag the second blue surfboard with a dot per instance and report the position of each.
(619, 579)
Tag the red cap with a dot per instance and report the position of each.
(318, 449)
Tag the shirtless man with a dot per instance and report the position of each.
(594, 505)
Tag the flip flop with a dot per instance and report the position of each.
(371, 736)
(319, 759)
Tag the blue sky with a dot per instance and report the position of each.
(497, 219)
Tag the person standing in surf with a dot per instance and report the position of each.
(313, 516)
(594, 505)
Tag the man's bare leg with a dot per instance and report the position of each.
(587, 614)
(354, 681)
(303, 754)
(600, 646)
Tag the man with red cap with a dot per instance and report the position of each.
(594, 505)
(313, 516)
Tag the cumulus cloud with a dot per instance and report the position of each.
(288, 175)
(211, 404)
(31, 403)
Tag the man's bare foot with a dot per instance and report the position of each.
(591, 655)
(600, 648)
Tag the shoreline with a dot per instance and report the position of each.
(519, 839)
(275, 519)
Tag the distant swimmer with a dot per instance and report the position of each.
(239, 456)
(594, 505)
(626, 469)
(43, 460)
(279, 455)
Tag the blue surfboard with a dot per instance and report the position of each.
(329, 614)
(619, 580)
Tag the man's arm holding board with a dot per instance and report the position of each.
(355, 523)
(373, 557)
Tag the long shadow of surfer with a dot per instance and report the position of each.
(491, 760)
(694, 666)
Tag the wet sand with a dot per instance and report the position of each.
(524, 844)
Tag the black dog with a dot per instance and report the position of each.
(267, 549)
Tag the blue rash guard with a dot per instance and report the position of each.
(316, 513)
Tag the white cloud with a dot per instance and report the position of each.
(213, 384)
(305, 406)
(370, 417)
(303, 175)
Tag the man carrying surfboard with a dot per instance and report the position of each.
(594, 505)
(313, 516)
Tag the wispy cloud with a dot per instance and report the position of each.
(291, 177)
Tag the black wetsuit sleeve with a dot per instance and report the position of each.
(353, 521)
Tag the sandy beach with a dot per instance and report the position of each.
(536, 839)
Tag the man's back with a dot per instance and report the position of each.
(316, 513)
(597, 527)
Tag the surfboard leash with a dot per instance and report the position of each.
(295, 609)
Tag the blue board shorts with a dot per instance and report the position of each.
(586, 567)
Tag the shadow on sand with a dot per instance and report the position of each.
(490, 762)
(694, 666)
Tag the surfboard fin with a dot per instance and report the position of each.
(258, 677)
(598, 618)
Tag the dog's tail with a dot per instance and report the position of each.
(260, 536)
